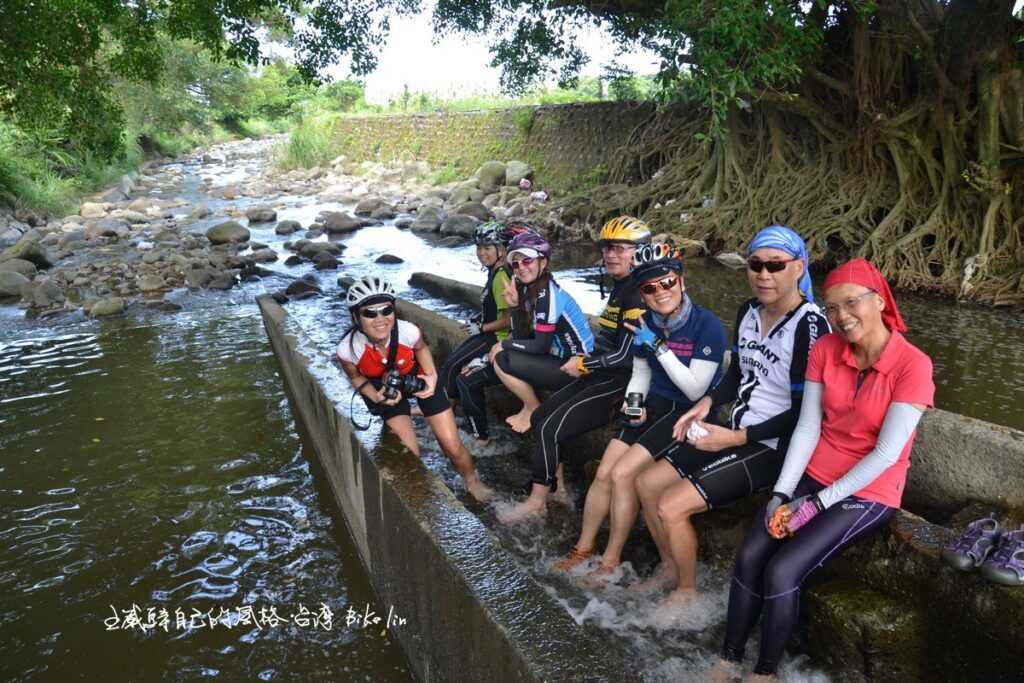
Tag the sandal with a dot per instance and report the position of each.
(574, 558)
(970, 550)
(1006, 565)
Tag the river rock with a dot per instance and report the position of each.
(389, 258)
(42, 294)
(150, 283)
(198, 278)
(11, 283)
(325, 261)
(335, 193)
(108, 227)
(9, 236)
(474, 209)
(403, 222)
(222, 280)
(367, 205)
(228, 232)
(287, 227)
(415, 169)
(461, 195)
(68, 240)
(264, 256)
(311, 249)
(383, 213)
(200, 210)
(429, 220)
(459, 224)
(133, 217)
(731, 259)
(293, 260)
(112, 306)
(28, 248)
(92, 210)
(491, 175)
(17, 265)
(516, 171)
(113, 196)
(260, 214)
(337, 222)
(302, 286)
(152, 257)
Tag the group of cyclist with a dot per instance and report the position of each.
(823, 404)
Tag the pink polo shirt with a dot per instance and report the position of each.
(853, 417)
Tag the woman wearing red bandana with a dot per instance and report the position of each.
(865, 391)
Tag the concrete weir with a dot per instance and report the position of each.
(886, 610)
(472, 614)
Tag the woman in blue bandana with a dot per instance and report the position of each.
(710, 465)
(678, 354)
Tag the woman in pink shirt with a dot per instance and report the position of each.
(865, 391)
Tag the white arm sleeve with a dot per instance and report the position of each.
(900, 422)
(693, 380)
(640, 380)
(804, 440)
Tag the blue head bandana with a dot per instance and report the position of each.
(785, 239)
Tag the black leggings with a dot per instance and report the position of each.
(768, 572)
(539, 370)
(586, 404)
(473, 347)
(471, 397)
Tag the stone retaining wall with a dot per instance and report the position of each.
(569, 146)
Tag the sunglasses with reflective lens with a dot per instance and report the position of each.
(523, 262)
(665, 283)
(756, 265)
(372, 313)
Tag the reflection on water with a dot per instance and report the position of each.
(156, 465)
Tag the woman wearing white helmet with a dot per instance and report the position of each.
(387, 360)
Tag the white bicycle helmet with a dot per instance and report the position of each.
(369, 289)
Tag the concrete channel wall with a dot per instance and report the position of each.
(472, 613)
(956, 459)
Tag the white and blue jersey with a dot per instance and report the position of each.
(558, 314)
(702, 337)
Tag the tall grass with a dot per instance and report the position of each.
(308, 145)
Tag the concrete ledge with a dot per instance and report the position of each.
(472, 613)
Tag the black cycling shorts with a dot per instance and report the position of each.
(539, 370)
(729, 475)
(432, 405)
(655, 434)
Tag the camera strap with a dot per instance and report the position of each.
(393, 346)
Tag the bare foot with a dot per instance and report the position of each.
(600, 577)
(526, 510)
(760, 678)
(723, 671)
(662, 578)
(562, 496)
(480, 491)
(678, 599)
(520, 422)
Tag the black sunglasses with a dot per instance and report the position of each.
(372, 313)
(756, 265)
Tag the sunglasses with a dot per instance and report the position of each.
(757, 265)
(371, 313)
(617, 249)
(665, 283)
(523, 262)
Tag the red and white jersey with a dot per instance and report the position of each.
(371, 363)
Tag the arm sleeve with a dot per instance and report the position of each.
(540, 344)
(804, 441)
(782, 425)
(621, 356)
(897, 429)
(640, 380)
(693, 380)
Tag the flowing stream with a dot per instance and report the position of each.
(158, 517)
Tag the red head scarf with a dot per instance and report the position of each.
(861, 272)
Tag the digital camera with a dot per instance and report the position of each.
(395, 384)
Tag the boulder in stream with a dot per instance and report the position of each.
(228, 232)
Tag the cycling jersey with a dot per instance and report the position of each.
(355, 348)
(766, 376)
(492, 298)
(560, 327)
(613, 345)
(701, 337)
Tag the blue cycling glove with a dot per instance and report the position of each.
(644, 336)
